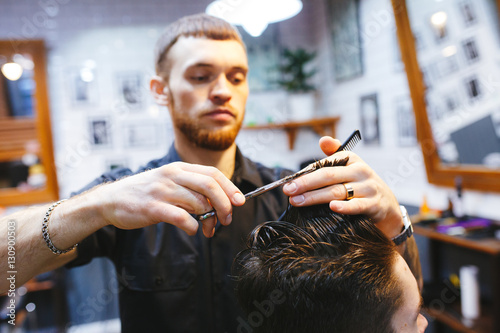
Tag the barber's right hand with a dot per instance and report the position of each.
(170, 194)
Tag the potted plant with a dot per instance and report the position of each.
(295, 79)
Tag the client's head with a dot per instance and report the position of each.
(319, 271)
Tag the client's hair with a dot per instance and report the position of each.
(318, 271)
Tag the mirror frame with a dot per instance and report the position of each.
(13, 196)
(473, 177)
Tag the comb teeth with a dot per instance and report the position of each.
(351, 141)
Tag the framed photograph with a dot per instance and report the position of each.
(100, 132)
(407, 135)
(468, 12)
(470, 50)
(451, 100)
(264, 54)
(84, 89)
(141, 134)
(130, 90)
(346, 38)
(472, 87)
(369, 115)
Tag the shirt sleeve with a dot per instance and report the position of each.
(102, 243)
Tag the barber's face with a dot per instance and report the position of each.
(408, 317)
(207, 90)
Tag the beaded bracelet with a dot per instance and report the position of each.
(45, 231)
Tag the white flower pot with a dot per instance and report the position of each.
(301, 106)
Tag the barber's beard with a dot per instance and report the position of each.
(207, 138)
(203, 137)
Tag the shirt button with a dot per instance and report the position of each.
(159, 280)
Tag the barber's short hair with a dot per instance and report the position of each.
(318, 271)
(198, 25)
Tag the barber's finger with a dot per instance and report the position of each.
(188, 199)
(329, 145)
(320, 178)
(208, 226)
(176, 216)
(351, 207)
(212, 190)
(233, 193)
(329, 193)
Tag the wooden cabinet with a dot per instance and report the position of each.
(26, 132)
(444, 305)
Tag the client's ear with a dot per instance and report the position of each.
(159, 90)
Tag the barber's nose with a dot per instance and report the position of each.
(221, 92)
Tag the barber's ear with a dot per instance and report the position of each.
(159, 90)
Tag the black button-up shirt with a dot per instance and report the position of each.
(172, 282)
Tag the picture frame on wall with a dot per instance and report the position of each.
(369, 115)
(130, 90)
(407, 135)
(470, 49)
(264, 56)
(83, 85)
(343, 17)
(451, 100)
(143, 134)
(468, 12)
(472, 87)
(100, 132)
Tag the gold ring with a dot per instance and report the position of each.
(349, 191)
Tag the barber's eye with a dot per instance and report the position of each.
(237, 78)
(201, 78)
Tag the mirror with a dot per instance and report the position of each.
(451, 54)
(27, 170)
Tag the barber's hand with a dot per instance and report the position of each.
(372, 196)
(170, 194)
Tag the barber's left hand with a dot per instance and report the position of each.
(372, 196)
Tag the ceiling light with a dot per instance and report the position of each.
(439, 19)
(254, 15)
(12, 71)
(86, 75)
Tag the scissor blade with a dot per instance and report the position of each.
(275, 184)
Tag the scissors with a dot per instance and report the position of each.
(349, 144)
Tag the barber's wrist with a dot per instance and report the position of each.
(97, 206)
(393, 223)
(407, 230)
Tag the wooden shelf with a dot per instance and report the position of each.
(453, 319)
(486, 245)
(322, 126)
(489, 321)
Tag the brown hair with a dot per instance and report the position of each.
(318, 271)
(198, 25)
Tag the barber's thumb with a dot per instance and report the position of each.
(329, 145)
